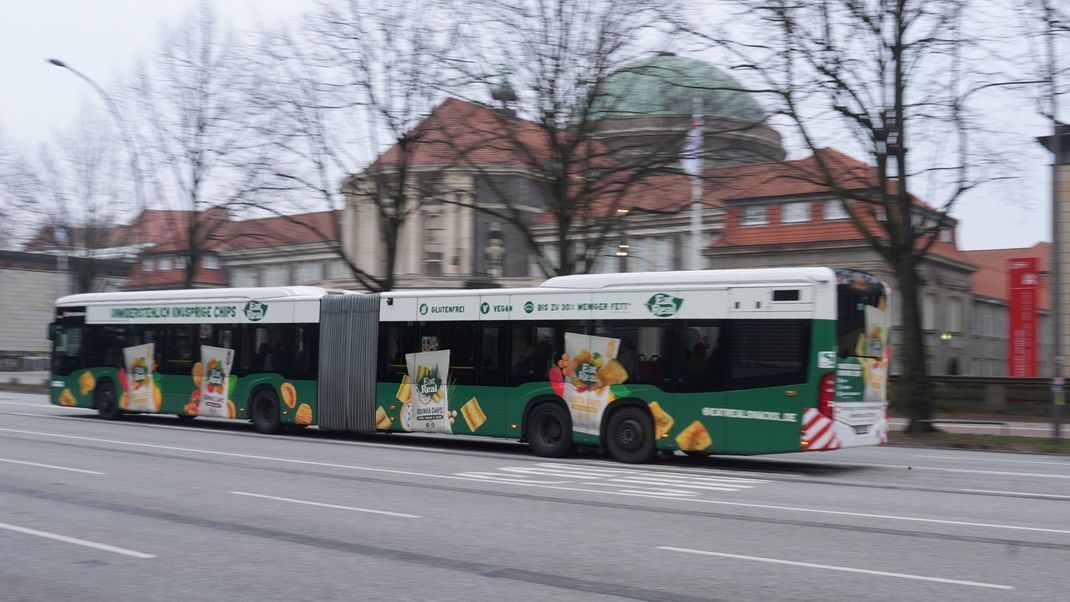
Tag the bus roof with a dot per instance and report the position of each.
(289, 293)
(691, 277)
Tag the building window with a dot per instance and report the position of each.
(928, 312)
(947, 235)
(210, 261)
(794, 213)
(663, 254)
(309, 271)
(148, 264)
(245, 277)
(276, 275)
(755, 215)
(834, 210)
(339, 270)
(164, 263)
(954, 314)
(180, 262)
(434, 244)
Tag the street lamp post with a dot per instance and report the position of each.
(113, 109)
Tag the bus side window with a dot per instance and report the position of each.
(68, 350)
(767, 353)
(306, 351)
(395, 340)
(178, 351)
(493, 354)
(532, 352)
(460, 339)
(700, 359)
(645, 350)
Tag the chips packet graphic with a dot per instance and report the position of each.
(586, 394)
(217, 363)
(428, 410)
(140, 386)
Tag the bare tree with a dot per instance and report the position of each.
(355, 80)
(880, 77)
(552, 97)
(78, 190)
(192, 112)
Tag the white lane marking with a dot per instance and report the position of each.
(1025, 493)
(44, 405)
(50, 466)
(554, 487)
(988, 459)
(667, 483)
(845, 569)
(74, 540)
(1043, 475)
(323, 505)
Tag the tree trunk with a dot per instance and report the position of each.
(914, 385)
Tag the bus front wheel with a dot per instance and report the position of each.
(106, 402)
(630, 435)
(549, 431)
(266, 413)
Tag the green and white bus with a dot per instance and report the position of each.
(707, 362)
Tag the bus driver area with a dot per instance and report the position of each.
(706, 362)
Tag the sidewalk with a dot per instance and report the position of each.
(34, 378)
(1016, 429)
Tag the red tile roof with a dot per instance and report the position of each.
(277, 231)
(458, 132)
(992, 279)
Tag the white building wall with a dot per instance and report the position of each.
(26, 308)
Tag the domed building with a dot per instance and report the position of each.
(650, 103)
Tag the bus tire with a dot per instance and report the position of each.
(630, 435)
(548, 430)
(106, 402)
(265, 411)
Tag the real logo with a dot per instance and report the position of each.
(484, 308)
(664, 305)
(529, 307)
(255, 311)
(423, 309)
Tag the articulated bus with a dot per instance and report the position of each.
(705, 362)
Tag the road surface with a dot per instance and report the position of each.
(150, 509)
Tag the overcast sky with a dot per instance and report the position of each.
(103, 38)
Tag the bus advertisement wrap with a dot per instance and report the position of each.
(142, 394)
(427, 410)
(590, 366)
(216, 375)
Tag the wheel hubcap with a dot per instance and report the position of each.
(549, 430)
(630, 435)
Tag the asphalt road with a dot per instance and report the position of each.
(151, 509)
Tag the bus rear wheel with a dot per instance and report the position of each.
(265, 412)
(630, 436)
(549, 431)
(106, 402)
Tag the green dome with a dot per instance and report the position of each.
(668, 85)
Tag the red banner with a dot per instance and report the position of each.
(1022, 352)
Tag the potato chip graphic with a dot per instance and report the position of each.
(67, 399)
(190, 408)
(86, 382)
(382, 421)
(289, 395)
(157, 397)
(122, 401)
(404, 393)
(304, 414)
(197, 372)
(694, 438)
(662, 420)
(612, 373)
(232, 412)
(473, 414)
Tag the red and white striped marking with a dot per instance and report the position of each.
(820, 431)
